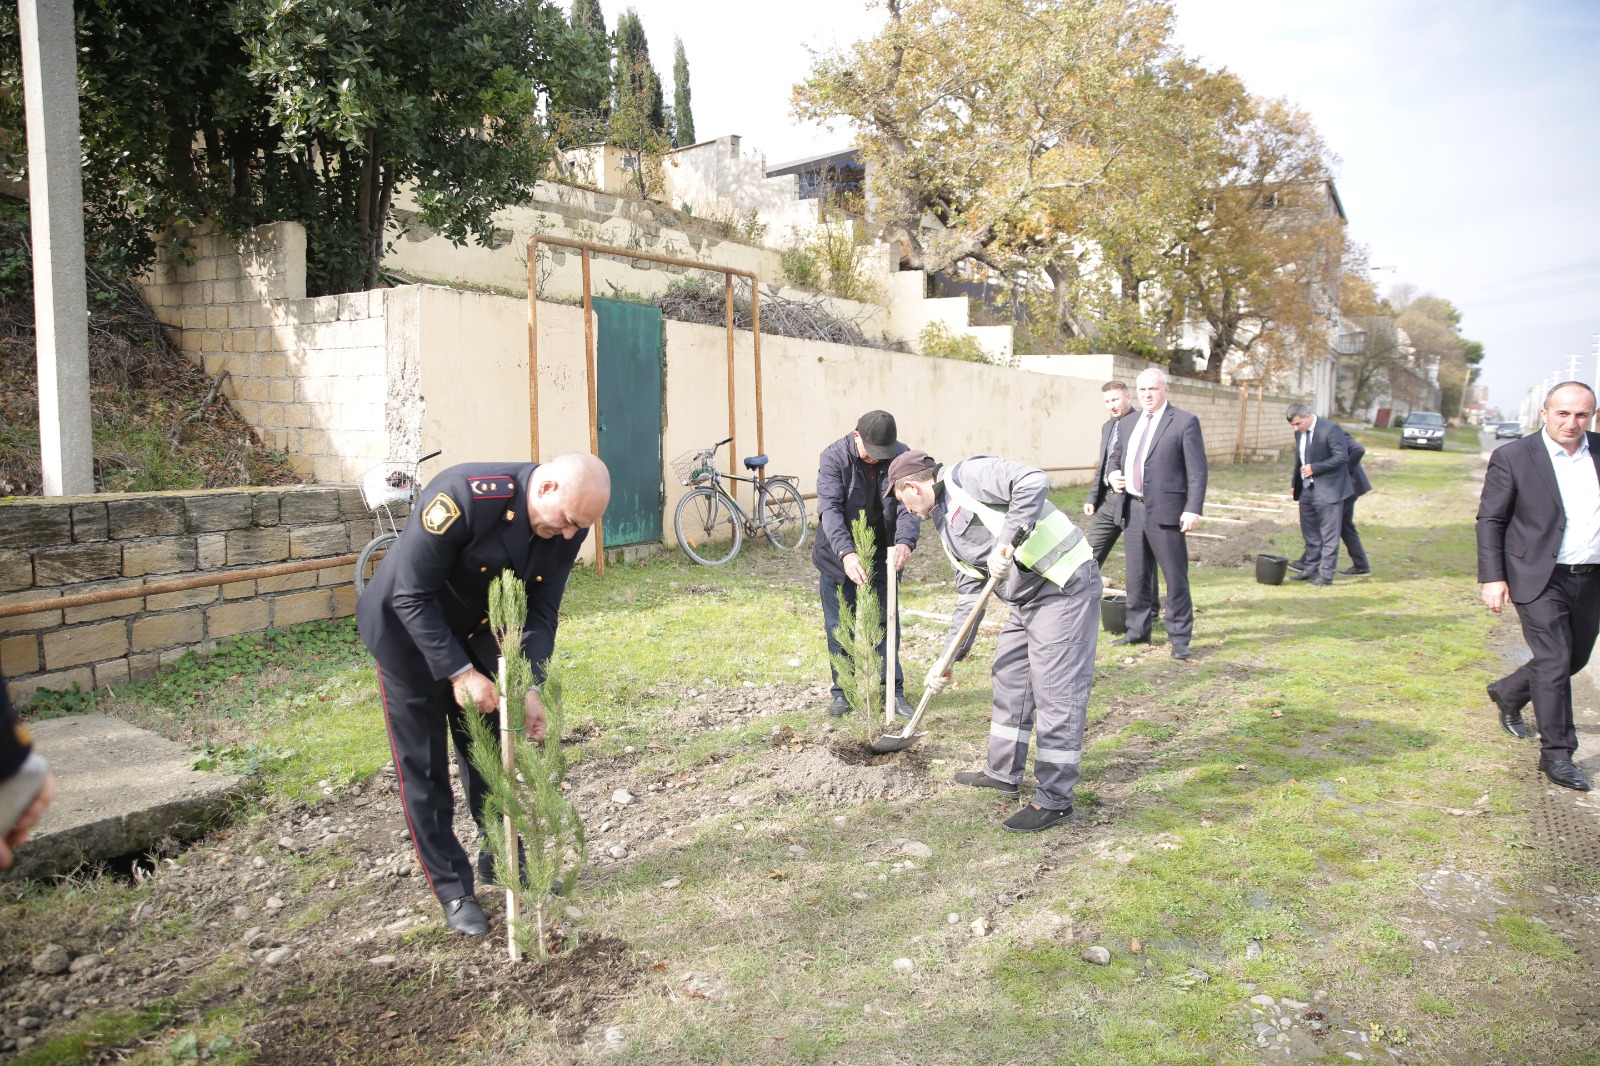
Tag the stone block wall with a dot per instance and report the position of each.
(65, 546)
(309, 374)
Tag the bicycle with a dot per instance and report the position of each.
(382, 487)
(710, 524)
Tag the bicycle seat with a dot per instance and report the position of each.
(755, 462)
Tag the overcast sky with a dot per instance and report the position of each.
(1469, 134)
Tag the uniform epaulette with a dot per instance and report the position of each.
(492, 487)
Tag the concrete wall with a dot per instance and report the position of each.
(309, 374)
(716, 179)
(68, 545)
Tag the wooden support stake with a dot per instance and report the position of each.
(508, 762)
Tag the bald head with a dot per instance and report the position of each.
(569, 493)
(1152, 386)
(1568, 410)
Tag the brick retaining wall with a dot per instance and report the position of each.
(63, 546)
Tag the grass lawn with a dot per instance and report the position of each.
(1278, 818)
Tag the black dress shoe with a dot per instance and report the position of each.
(839, 707)
(1564, 773)
(1033, 818)
(1180, 651)
(1319, 580)
(1351, 571)
(1304, 575)
(1127, 639)
(1510, 717)
(979, 779)
(466, 917)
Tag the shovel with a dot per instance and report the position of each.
(891, 742)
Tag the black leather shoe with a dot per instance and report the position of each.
(902, 709)
(1351, 571)
(1033, 818)
(1181, 651)
(979, 779)
(1510, 717)
(1298, 565)
(839, 707)
(1319, 580)
(1564, 773)
(466, 917)
(1304, 575)
(1124, 640)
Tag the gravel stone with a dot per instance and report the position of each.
(622, 797)
(917, 849)
(1096, 956)
(290, 844)
(276, 955)
(52, 960)
(905, 966)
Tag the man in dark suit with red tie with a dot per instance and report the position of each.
(1160, 462)
(1321, 483)
(1539, 548)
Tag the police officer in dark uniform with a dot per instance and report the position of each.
(425, 618)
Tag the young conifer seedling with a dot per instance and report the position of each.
(859, 632)
(530, 827)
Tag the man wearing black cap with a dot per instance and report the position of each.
(850, 481)
(995, 521)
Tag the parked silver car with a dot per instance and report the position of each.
(1423, 429)
(1508, 431)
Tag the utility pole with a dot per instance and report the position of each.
(55, 199)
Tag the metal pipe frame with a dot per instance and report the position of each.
(586, 249)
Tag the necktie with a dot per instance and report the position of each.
(1136, 472)
(1111, 446)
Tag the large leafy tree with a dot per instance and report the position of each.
(1259, 260)
(316, 111)
(988, 115)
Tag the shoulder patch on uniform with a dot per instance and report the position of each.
(493, 487)
(440, 512)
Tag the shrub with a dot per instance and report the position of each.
(937, 340)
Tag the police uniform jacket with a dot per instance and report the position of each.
(425, 614)
(844, 484)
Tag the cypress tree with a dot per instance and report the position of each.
(682, 116)
(587, 16)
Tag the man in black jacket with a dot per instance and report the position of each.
(850, 482)
(1539, 548)
(1321, 483)
(1107, 505)
(425, 618)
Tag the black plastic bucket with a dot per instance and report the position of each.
(1114, 613)
(1270, 569)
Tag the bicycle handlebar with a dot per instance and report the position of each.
(431, 455)
(720, 443)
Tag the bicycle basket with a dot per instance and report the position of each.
(693, 466)
(387, 483)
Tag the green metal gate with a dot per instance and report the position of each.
(628, 402)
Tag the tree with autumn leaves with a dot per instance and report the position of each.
(1069, 148)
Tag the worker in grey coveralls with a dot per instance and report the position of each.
(993, 518)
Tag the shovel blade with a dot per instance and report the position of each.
(892, 742)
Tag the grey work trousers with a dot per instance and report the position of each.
(1043, 672)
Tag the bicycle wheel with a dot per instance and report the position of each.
(782, 514)
(367, 561)
(708, 528)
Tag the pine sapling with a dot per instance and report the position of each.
(530, 828)
(859, 633)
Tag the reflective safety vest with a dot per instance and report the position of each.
(1054, 548)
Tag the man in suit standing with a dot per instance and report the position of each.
(1107, 505)
(1360, 485)
(1160, 462)
(1321, 482)
(1539, 548)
